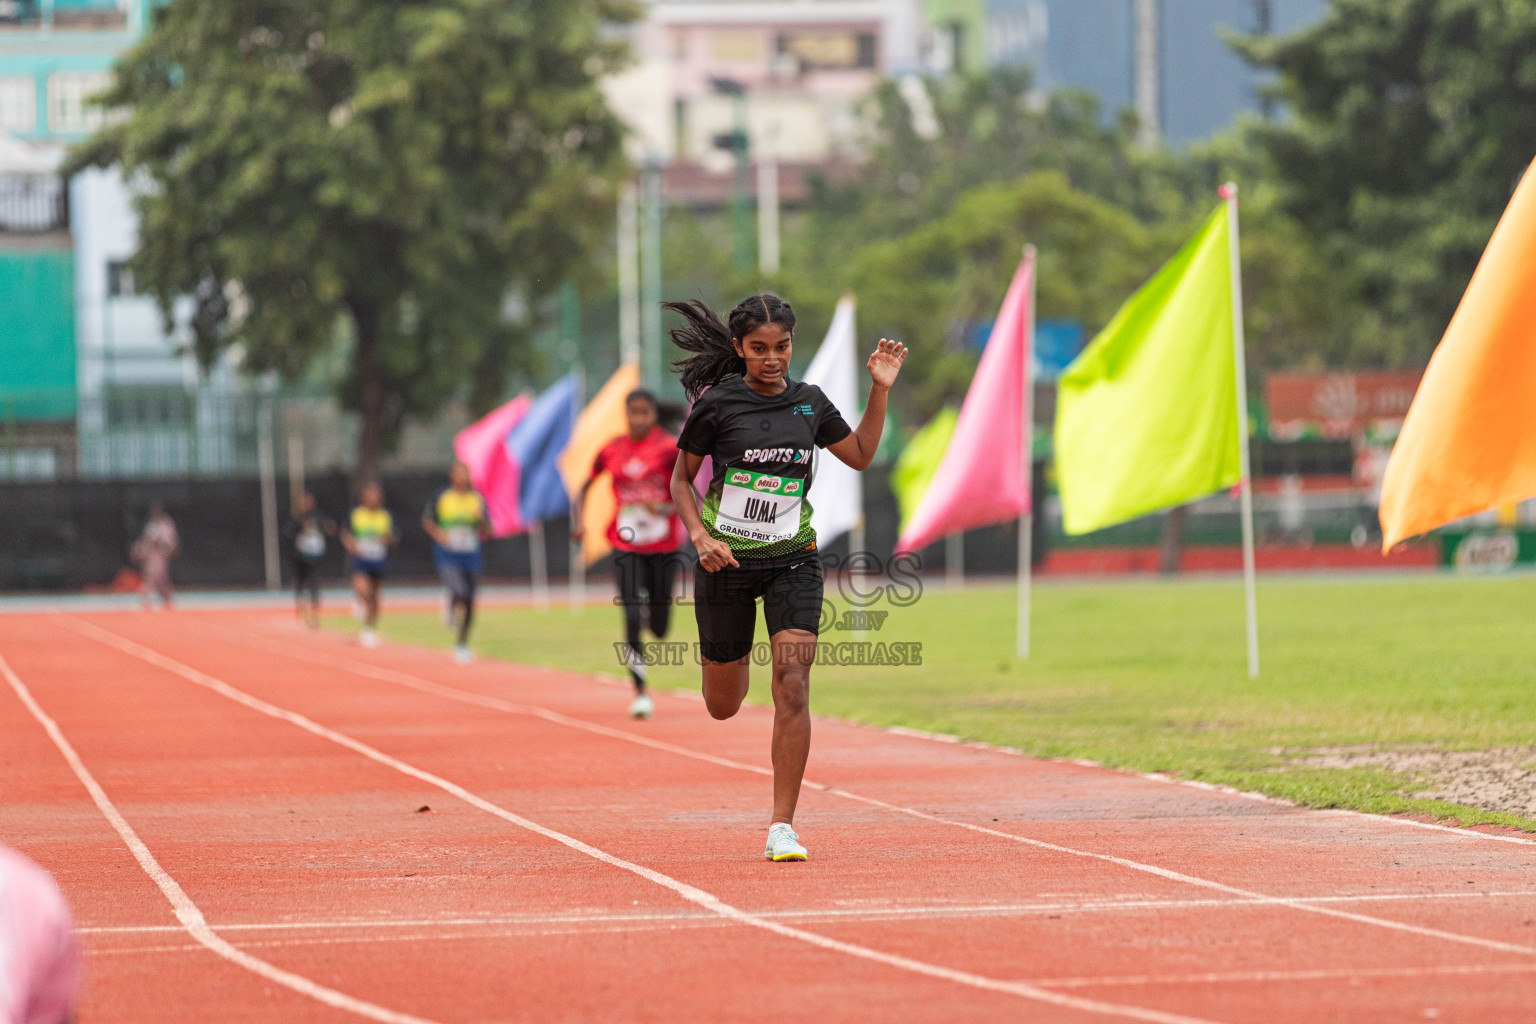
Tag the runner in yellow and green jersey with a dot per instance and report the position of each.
(369, 534)
(458, 522)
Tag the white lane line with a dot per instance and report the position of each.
(1328, 974)
(1206, 883)
(191, 918)
(468, 697)
(809, 914)
(688, 892)
(1468, 832)
(1106, 981)
(1391, 819)
(702, 921)
(386, 675)
(1428, 825)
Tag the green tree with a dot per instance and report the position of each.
(930, 231)
(931, 284)
(1411, 122)
(412, 171)
(989, 127)
(1293, 302)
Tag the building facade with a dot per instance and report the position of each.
(53, 55)
(91, 381)
(1198, 84)
(719, 82)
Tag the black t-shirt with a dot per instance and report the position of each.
(306, 532)
(764, 451)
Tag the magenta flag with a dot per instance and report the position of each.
(482, 446)
(981, 479)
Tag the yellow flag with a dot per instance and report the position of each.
(600, 422)
(1146, 416)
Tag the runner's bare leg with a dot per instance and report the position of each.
(794, 651)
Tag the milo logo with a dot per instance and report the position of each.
(791, 486)
(766, 483)
(1487, 552)
(741, 477)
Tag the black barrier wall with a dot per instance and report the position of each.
(76, 534)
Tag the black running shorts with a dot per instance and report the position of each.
(725, 604)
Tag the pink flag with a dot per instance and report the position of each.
(482, 446)
(981, 479)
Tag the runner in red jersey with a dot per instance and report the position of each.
(645, 531)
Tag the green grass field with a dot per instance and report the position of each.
(1151, 676)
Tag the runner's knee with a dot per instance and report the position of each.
(791, 688)
(725, 687)
(720, 710)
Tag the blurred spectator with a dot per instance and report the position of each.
(152, 553)
(40, 964)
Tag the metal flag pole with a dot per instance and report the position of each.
(651, 368)
(538, 569)
(267, 470)
(768, 205)
(629, 274)
(856, 548)
(295, 465)
(856, 542)
(576, 574)
(1027, 519)
(1245, 494)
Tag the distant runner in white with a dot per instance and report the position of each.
(754, 532)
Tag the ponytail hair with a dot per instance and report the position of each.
(714, 356)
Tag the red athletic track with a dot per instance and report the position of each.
(947, 883)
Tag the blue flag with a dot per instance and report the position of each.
(535, 445)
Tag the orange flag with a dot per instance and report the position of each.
(600, 422)
(1469, 442)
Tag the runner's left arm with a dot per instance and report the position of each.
(579, 506)
(858, 448)
(578, 511)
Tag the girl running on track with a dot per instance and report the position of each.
(306, 531)
(153, 551)
(368, 537)
(645, 531)
(458, 523)
(754, 535)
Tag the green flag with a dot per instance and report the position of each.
(1146, 416)
(919, 459)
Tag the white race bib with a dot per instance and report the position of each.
(640, 526)
(371, 549)
(760, 507)
(462, 539)
(310, 542)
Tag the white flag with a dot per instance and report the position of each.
(837, 500)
